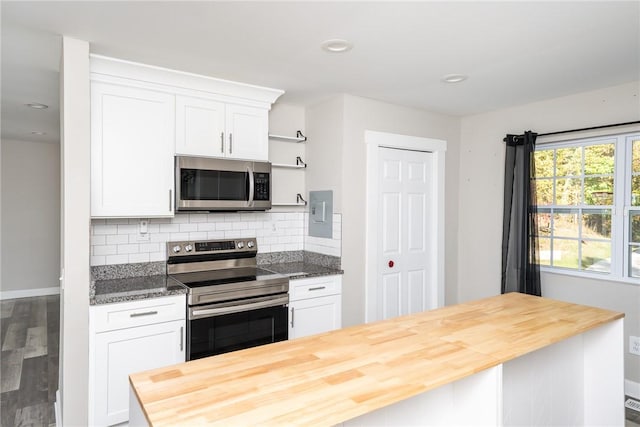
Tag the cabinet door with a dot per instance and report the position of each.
(132, 143)
(125, 351)
(199, 127)
(314, 315)
(247, 130)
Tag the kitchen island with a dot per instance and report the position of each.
(505, 360)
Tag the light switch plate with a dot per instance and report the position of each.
(321, 214)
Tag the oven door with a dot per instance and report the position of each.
(236, 325)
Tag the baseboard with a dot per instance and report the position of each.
(57, 409)
(26, 293)
(632, 389)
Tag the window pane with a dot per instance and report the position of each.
(598, 159)
(634, 229)
(544, 163)
(565, 253)
(596, 224)
(569, 161)
(598, 191)
(634, 261)
(568, 191)
(544, 223)
(596, 256)
(544, 191)
(635, 191)
(565, 223)
(544, 254)
(635, 162)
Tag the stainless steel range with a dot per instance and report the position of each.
(231, 303)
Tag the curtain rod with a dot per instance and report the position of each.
(581, 129)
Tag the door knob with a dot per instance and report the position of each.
(391, 264)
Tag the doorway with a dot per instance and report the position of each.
(405, 225)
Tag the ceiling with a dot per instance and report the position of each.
(513, 52)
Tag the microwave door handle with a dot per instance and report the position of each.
(251, 185)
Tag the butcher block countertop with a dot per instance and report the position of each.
(332, 377)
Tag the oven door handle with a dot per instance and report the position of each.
(238, 308)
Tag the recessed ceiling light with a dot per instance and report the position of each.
(336, 45)
(454, 78)
(37, 132)
(37, 106)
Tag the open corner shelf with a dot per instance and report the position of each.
(298, 138)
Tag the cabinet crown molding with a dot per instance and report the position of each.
(103, 65)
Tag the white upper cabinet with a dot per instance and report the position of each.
(131, 151)
(199, 127)
(248, 132)
(141, 116)
(206, 127)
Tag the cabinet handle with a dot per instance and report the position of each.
(292, 315)
(230, 143)
(317, 288)
(170, 200)
(146, 313)
(181, 338)
(222, 142)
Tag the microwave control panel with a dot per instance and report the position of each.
(261, 188)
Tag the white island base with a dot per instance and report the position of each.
(576, 382)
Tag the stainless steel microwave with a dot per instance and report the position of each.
(210, 184)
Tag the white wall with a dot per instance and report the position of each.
(481, 193)
(337, 148)
(75, 223)
(30, 218)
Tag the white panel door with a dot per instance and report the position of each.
(247, 131)
(132, 145)
(404, 253)
(199, 127)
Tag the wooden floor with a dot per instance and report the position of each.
(29, 369)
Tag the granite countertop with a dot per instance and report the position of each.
(134, 288)
(301, 270)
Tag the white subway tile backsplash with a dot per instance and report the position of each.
(199, 217)
(169, 228)
(186, 228)
(98, 239)
(141, 257)
(116, 259)
(105, 250)
(105, 229)
(128, 249)
(198, 235)
(117, 241)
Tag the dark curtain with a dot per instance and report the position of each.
(520, 267)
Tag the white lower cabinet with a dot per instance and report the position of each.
(153, 337)
(315, 305)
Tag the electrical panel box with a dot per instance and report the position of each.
(321, 214)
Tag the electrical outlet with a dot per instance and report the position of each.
(634, 345)
(143, 230)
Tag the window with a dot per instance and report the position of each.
(588, 200)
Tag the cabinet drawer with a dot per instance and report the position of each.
(109, 317)
(314, 287)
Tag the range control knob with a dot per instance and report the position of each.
(240, 245)
(176, 249)
(250, 244)
(188, 248)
